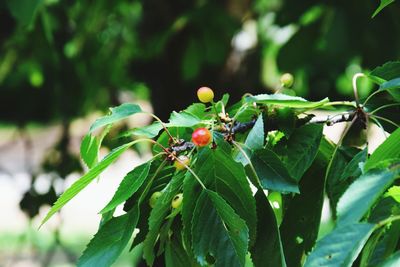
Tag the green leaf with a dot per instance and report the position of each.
(117, 114)
(175, 253)
(390, 148)
(197, 109)
(255, 139)
(340, 247)
(218, 231)
(89, 150)
(343, 171)
(301, 221)
(392, 261)
(302, 148)
(190, 188)
(386, 207)
(353, 169)
(271, 172)
(362, 194)
(183, 119)
(381, 245)
(286, 101)
(388, 71)
(394, 192)
(24, 10)
(268, 246)
(129, 185)
(149, 131)
(219, 172)
(108, 243)
(392, 86)
(158, 214)
(382, 5)
(387, 77)
(82, 182)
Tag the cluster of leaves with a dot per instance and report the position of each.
(253, 196)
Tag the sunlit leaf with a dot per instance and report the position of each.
(117, 113)
(286, 101)
(382, 5)
(89, 150)
(302, 148)
(82, 182)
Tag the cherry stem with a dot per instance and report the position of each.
(151, 180)
(384, 119)
(248, 160)
(216, 111)
(162, 124)
(387, 221)
(341, 103)
(383, 107)
(355, 77)
(190, 170)
(370, 96)
(328, 169)
(380, 126)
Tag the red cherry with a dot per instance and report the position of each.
(201, 137)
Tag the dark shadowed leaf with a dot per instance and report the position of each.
(300, 225)
(129, 185)
(218, 231)
(222, 174)
(302, 147)
(158, 214)
(267, 250)
(392, 261)
(272, 173)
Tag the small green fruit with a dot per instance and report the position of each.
(154, 197)
(205, 94)
(177, 201)
(287, 80)
(181, 162)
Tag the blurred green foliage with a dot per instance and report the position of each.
(62, 59)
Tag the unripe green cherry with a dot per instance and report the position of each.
(205, 94)
(287, 80)
(177, 201)
(201, 137)
(181, 162)
(154, 197)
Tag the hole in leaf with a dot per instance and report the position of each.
(210, 259)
